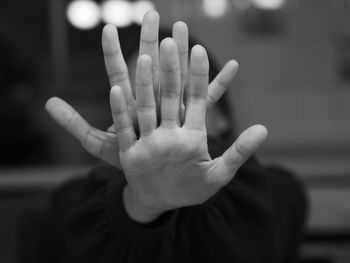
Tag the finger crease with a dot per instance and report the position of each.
(147, 132)
(150, 41)
(169, 123)
(239, 150)
(118, 76)
(125, 129)
(146, 109)
(69, 123)
(169, 94)
(221, 84)
(210, 98)
(170, 69)
(144, 85)
(200, 74)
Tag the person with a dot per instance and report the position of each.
(164, 197)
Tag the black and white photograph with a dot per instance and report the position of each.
(175, 131)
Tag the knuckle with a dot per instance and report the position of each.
(118, 76)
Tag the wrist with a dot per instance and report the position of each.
(136, 210)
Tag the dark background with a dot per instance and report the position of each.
(294, 78)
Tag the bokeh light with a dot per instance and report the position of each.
(215, 8)
(83, 14)
(140, 8)
(269, 4)
(117, 12)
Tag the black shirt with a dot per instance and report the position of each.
(257, 217)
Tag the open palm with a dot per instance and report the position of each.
(169, 166)
(104, 144)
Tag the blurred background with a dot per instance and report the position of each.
(294, 78)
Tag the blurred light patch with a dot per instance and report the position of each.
(269, 4)
(83, 14)
(215, 8)
(140, 8)
(117, 12)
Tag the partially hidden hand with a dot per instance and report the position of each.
(104, 144)
(169, 166)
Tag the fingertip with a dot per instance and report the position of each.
(108, 28)
(151, 15)
(180, 27)
(144, 60)
(59, 110)
(150, 27)
(199, 57)
(116, 91)
(117, 98)
(109, 38)
(256, 134)
(180, 35)
(168, 51)
(109, 31)
(52, 103)
(168, 43)
(261, 130)
(49, 102)
(232, 64)
(198, 50)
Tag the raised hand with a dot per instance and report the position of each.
(104, 144)
(169, 166)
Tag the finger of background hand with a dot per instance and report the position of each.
(180, 35)
(149, 44)
(116, 67)
(146, 106)
(196, 94)
(170, 83)
(104, 145)
(67, 117)
(96, 142)
(245, 145)
(222, 82)
(121, 119)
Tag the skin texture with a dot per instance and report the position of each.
(168, 165)
(104, 144)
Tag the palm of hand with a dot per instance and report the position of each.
(175, 159)
(169, 166)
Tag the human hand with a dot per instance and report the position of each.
(104, 144)
(169, 166)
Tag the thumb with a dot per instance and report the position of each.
(245, 145)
